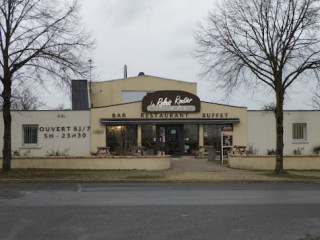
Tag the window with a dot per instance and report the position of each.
(133, 96)
(121, 138)
(299, 131)
(212, 134)
(149, 137)
(191, 138)
(30, 134)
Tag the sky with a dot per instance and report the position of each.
(157, 37)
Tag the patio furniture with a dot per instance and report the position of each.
(103, 151)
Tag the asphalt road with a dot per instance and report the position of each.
(160, 211)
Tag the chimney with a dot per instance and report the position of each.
(80, 99)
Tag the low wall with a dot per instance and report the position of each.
(97, 163)
(296, 162)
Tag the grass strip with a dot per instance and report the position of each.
(289, 175)
(62, 174)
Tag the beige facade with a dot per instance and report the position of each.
(94, 163)
(111, 109)
(110, 92)
(170, 120)
(80, 133)
(262, 132)
(40, 133)
(210, 112)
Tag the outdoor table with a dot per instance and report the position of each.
(138, 150)
(240, 149)
(103, 150)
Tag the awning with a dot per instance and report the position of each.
(168, 121)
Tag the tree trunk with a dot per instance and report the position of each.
(279, 130)
(6, 151)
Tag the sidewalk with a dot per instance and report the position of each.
(189, 168)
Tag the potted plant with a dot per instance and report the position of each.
(316, 149)
(298, 151)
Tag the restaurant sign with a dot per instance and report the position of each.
(170, 101)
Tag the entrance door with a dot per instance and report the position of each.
(170, 139)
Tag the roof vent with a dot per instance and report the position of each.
(125, 71)
(141, 74)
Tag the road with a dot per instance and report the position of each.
(159, 211)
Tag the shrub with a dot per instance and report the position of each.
(58, 153)
(298, 151)
(251, 150)
(271, 151)
(316, 149)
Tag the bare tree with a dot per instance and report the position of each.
(39, 40)
(24, 99)
(60, 107)
(316, 100)
(268, 42)
(269, 107)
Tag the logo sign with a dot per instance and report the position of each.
(170, 101)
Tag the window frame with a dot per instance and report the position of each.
(303, 131)
(31, 143)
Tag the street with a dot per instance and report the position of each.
(159, 211)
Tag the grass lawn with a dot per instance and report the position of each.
(289, 175)
(52, 174)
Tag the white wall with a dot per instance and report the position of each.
(70, 131)
(298, 162)
(262, 132)
(63, 131)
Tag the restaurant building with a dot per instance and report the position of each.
(160, 115)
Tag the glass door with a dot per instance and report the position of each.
(162, 139)
(170, 139)
(173, 140)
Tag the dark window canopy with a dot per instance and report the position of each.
(169, 121)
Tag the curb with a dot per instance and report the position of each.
(312, 181)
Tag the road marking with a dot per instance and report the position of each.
(79, 187)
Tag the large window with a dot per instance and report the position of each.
(30, 134)
(149, 138)
(122, 138)
(299, 132)
(191, 138)
(212, 135)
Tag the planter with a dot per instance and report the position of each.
(211, 154)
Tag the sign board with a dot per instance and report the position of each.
(170, 101)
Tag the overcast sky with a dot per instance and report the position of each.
(156, 37)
